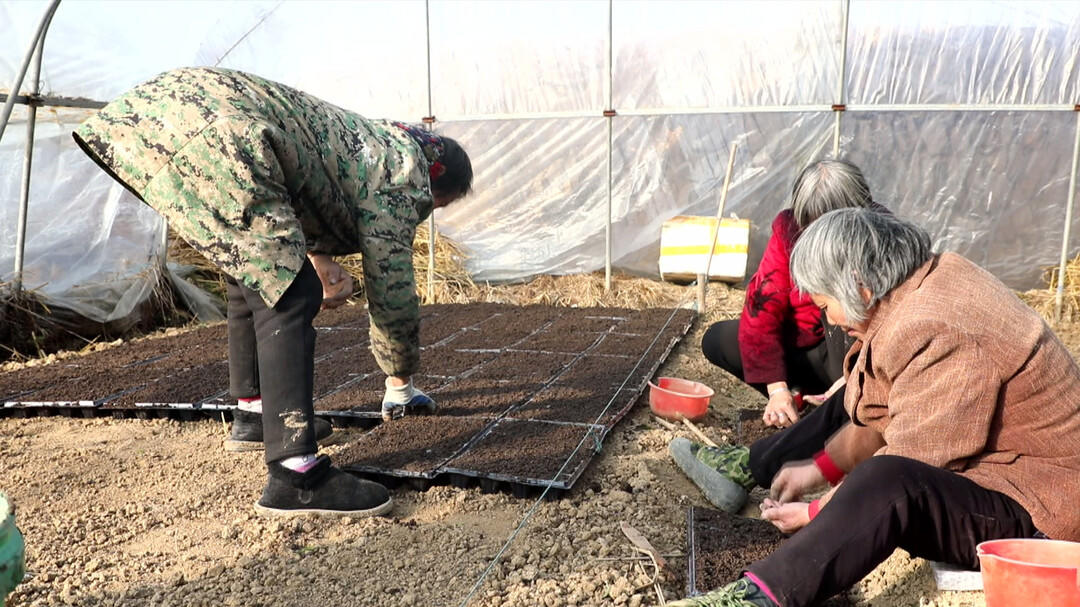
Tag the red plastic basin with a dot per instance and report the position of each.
(673, 398)
(1025, 572)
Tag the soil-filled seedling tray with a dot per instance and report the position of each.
(593, 321)
(447, 361)
(412, 446)
(653, 320)
(189, 386)
(552, 341)
(349, 315)
(339, 369)
(599, 371)
(577, 405)
(528, 452)
(329, 340)
(537, 367)
(749, 427)
(722, 545)
(482, 397)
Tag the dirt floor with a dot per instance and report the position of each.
(137, 512)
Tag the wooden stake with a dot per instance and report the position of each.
(699, 433)
(665, 423)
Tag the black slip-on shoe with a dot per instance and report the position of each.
(322, 490)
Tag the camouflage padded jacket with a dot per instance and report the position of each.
(255, 174)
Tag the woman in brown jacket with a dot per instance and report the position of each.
(965, 412)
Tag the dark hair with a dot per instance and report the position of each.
(457, 180)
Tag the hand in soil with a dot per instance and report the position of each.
(795, 480)
(789, 517)
(781, 411)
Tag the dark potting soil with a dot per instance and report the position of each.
(363, 394)
(575, 404)
(725, 544)
(537, 367)
(448, 362)
(552, 341)
(529, 450)
(416, 444)
(339, 368)
(652, 320)
(433, 331)
(482, 397)
(750, 427)
(595, 320)
(348, 315)
(26, 383)
(622, 344)
(597, 372)
(330, 340)
(189, 386)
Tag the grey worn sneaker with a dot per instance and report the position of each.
(722, 473)
(322, 490)
(740, 593)
(247, 432)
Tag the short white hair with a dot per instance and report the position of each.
(852, 249)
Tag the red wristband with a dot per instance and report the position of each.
(828, 467)
(815, 507)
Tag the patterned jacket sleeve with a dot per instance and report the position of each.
(768, 303)
(393, 305)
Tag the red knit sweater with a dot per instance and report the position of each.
(776, 316)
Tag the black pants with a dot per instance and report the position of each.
(800, 440)
(812, 370)
(272, 354)
(888, 502)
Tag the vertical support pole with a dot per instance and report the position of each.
(431, 218)
(28, 154)
(9, 105)
(702, 280)
(610, 114)
(841, 86)
(1059, 295)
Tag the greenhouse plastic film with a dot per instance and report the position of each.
(946, 171)
(991, 185)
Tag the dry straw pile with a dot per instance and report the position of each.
(1044, 301)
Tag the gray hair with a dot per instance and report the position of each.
(849, 249)
(827, 185)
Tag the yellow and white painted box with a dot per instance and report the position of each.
(684, 246)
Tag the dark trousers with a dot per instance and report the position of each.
(888, 502)
(272, 354)
(800, 440)
(813, 370)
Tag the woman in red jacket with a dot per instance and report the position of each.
(779, 342)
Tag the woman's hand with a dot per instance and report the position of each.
(781, 411)
(818, 399)
(788, 518)
(337, 284)
(795, 480)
